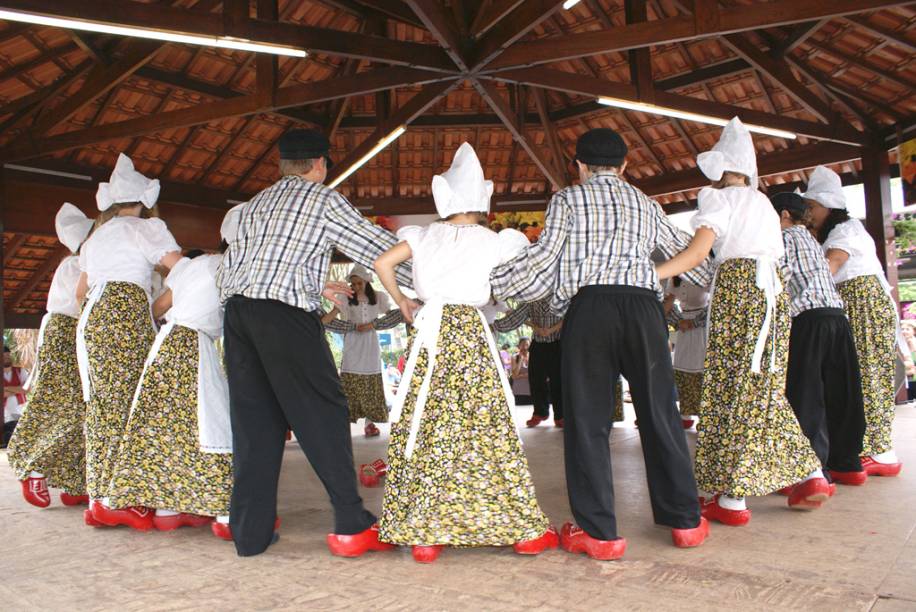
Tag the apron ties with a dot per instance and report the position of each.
(901, 341)
(82, 353)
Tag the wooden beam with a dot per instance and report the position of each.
(417, 105)
(897, 38)
(879, 214)
(489, 92)
(266, 66)
(860, 62)
(780, 72)
(550, 135)
(524, 18)
(314, 39)
(680, 28)
(490, 13)
(34, 102)
(392, 9)
(40, 274)
(583, 85)
(319, 91)
(18, 70)
(799, 34)
(100, 80)
(442, 26)
(837, 97)
(640, 59)
(860, 94)
(9, 250)
(706, 73)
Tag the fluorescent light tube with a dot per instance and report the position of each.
(670, 112)
(384, 142)
(569, 4)
(164, 35)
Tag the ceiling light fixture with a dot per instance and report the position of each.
(676, 114)
(227, 42)
(384, 142)
(569, 4)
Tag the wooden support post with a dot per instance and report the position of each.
(2, 266)
(879, 218)
(640, 59)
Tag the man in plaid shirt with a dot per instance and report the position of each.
(823, 380)
(280, 369)
(594, 258)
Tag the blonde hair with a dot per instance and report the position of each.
(723, 182)
(114, 210)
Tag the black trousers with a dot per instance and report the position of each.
(545, 378)
(824, 386)
(282, 375)
(611, 330)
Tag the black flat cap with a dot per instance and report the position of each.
(601, 147)
(790, 201)
(304, 144)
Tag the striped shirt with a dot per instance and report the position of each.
(809, 282)
(602, 232)
(538, 313)
(285, 239)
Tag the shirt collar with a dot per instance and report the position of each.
(603, 175)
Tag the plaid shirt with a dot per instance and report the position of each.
(808, 278)
(602, 232)
(285, 239)
(538, 313)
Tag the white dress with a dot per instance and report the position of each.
(361, 354)
(690, 348)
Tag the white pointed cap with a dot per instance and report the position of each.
(733, 153)
(361, 272)
(826, 188)
(72, 226)
(127, 185)
(462, 188)
(229, 229)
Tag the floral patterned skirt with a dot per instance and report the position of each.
(748, 439)
(467, 482)
(689, 391)
(118, 334)
(365, 396)
(49, 437)
(160, 464)
(874, 325)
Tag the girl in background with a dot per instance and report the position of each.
(360, 368)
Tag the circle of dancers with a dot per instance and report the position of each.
(785, 351)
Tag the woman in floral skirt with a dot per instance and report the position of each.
(749, 441)
(115, 330)
(859, 277)
(176, 455)
(48, 447)
(458, 475)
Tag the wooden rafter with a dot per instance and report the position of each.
(320, 91)
(102, 79)
(487, 89)
(550, 135)
(38, 276)
(314, 39)
(679, 28)
(442, 26)
(860, 62)
(780, 72)
(578, 84)
(10, 249)
(899, 39)
(20, 69)
(799, 34)
(417, 105)
(490, 12)
(524, 18)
